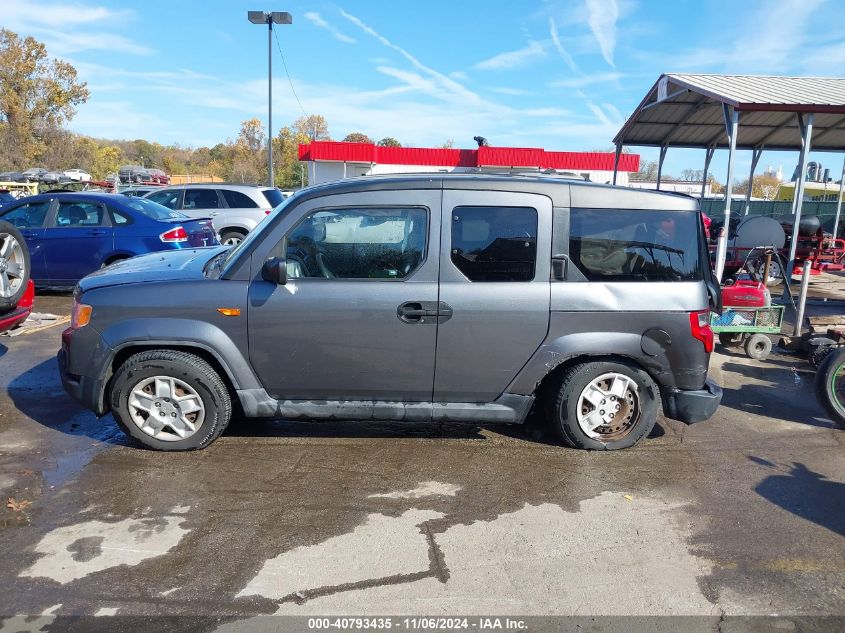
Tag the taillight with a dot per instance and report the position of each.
(267, 211)
(699, 323)
(179, 234)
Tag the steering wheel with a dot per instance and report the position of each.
(321, 264)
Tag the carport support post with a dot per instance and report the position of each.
(616, 161)
(806, 138)
(708, 156)
(755, 157)
(660, 164)
(732, 126)
(839, 201)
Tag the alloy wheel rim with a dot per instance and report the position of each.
(12, 265)
(166, 408)
(608, 407)
(232, 241)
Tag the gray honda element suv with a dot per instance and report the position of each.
(471, 297)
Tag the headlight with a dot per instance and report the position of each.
(80, 315)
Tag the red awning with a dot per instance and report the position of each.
(482, 157)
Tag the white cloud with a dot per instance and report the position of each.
(560, 49)
(70, 28)
(513, 59)
(317, 20)
(602, 20)
(514, 92)
(586, 80)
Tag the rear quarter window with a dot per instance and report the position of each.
(636, 245)
(238, 200)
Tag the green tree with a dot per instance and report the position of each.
(37, 95)
(389, 141)
(357, 137)
(107, 160)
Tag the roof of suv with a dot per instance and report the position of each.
(563, 192)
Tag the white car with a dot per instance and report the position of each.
(77, 175)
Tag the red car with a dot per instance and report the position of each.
(19, 313)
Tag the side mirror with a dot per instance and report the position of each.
(275, 270)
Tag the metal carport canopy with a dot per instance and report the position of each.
(704, 111)
(690, 114)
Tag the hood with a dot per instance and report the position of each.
(173, 265)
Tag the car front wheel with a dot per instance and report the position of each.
(170, 401)
(605, 405)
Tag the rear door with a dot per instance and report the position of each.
(78, 238)
(494, 275)
(30, 219)
(350, 323)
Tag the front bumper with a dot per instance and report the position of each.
(693, 405)
(87, 390)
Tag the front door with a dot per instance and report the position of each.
(351, 322)
(494, 275)
(77, 241)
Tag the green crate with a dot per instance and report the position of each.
(767, 320)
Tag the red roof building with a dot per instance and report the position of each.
(330, 160)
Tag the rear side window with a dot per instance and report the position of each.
(201, 199)
(29, 216)
(274, 197)
(635, 245)
(495, 243)
(238, 200)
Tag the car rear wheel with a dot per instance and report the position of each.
(170, 401)
(231, 238)
(14, 266)
(605, 405)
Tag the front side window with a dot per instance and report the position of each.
(636, 245)
(358, 243)
(71, 214)
(28, 216)
(495, 243)
(201, 199)
(169, 199)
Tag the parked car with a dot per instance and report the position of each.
(12, 176)
(138, 192)
(235, 209)
(159, 177)
(34, 174)
(6, 197)
(478, 298)
(53, 177)
(73, 234)
(129, 174)
(77, 175)
(16, 289)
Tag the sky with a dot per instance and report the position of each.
(561, 75)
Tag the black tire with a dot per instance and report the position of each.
(726, 339)
(9, 231)
(190, 369)
(564, 418)
(233, 236)
(114, 260)
(826, 392)
(758, 346)
(818, 353)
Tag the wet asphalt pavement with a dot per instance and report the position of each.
(741, 515)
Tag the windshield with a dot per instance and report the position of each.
(253, 235)
(5, 196)
(153, 210)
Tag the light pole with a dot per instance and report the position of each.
(270, 18)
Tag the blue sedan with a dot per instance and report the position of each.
(73, 234)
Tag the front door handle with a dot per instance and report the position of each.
(96, 233)
(424, 312)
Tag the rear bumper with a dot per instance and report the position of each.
(13, 318)
(693, 405)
